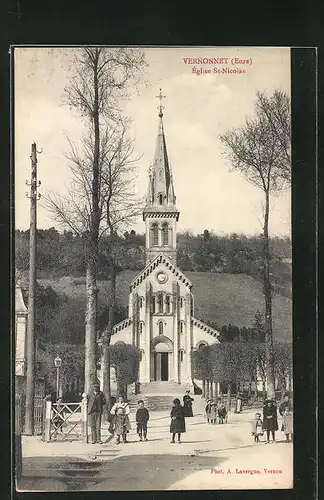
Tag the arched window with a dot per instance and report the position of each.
(141, 327)
(154, 234)
(160, 303)
(141, 353)
(153, 305)
(160, 327)
(181, 302)
(181, 355)
(141, 302)
(181, 326)
(202, 345)
(160, 199)
(165, 234)
(167, 304)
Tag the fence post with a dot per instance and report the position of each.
(84, 417)
(18, 451)
(47, 423)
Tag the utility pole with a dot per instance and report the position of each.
(30, 382)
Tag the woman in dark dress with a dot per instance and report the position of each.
(187, 405)
(177, 425)
(270, 420)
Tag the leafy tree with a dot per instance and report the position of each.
(125, 360)
(101, 196)
(260, 149)
(71, 370)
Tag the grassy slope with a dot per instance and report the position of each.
(223, 298)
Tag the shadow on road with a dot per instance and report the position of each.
(124, 473)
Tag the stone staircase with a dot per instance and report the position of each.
(157, 396)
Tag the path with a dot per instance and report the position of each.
(158, 465)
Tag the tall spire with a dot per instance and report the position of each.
(160, 191)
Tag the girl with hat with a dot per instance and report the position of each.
(178, 425)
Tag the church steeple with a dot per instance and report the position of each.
(160, 199)
(160, 190)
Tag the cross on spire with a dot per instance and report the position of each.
(160, 107)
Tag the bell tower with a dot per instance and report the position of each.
(160, 213)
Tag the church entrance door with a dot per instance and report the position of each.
(161, 366)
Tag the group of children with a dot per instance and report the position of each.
(269, 422)
(216, 412)
(120, 423)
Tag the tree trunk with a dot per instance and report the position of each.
(211, 391)
(263, 388)
(229, 393)
(203, 388)
(216, 395)
(92, 248)
(90, 367)
(106, 353)
(267, 290)
(207, 389)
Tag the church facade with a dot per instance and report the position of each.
(161, 321)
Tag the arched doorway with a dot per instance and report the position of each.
(161, 350)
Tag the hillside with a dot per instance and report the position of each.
(222, 298)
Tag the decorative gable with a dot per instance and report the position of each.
(149, 269)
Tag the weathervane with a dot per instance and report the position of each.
(160, 107)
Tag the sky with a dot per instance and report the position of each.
(197, 109)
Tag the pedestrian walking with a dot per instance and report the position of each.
(257, 427)
(208, 410)
(287, 423)
(96, 403)
(178, 425)
(122, 424)
(142, 417)
(270, 420)
(213, 412)
(187, 404)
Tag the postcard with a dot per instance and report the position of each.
(153, 295)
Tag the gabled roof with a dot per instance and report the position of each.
(160, 259)
(204, 327)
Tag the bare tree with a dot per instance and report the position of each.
(260, 149)
(100, 198)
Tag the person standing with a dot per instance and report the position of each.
(239, 400)
(257, 427)
(142, 417)
(187, 404)
(178, 425)
(270, 421)
(96, 403)
(208, 410)
(287, 423)
(122, 424)
(285, 403)
(213, 412)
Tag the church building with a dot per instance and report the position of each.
(161, 321)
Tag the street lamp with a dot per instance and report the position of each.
(57, 363)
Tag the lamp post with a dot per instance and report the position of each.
(57, 363)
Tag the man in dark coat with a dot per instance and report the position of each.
(178, 425)
(187, 405)
(96, 403)
(270, 421)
